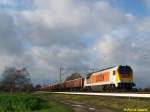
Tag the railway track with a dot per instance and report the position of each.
(128, 95)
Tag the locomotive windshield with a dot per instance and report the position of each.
(125, 70)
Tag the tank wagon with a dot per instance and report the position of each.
(113, 78)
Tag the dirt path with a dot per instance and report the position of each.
(81, 107)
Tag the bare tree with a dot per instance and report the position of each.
(15, 79)
(73, 76)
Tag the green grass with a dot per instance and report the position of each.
(29, 103)
(112, 103)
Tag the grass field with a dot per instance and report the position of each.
(43, 102)
(29, 103)
(114, 103)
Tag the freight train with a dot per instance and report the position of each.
(114, 78)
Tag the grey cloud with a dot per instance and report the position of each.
(44, 62)
(9, 40)
(71, 21)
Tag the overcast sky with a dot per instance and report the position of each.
(43, 35)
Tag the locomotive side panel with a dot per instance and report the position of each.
(101, 80)
(100, 77)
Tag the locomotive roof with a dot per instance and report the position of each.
(89, 74)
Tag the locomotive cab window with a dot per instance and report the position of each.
(125, 70)
(114, 72)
